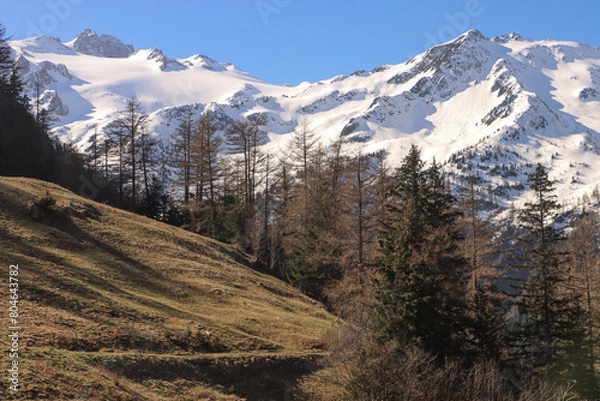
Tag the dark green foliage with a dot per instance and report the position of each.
(6, 62)
(159, 206)
(155, 202)
(47, 201)
(551, 338)
(306, 272)
(420, 285)
(487, 326)
(24, 149)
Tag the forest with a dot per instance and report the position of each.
(437, 299)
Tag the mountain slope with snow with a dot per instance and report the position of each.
(489, 107)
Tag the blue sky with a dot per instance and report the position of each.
(290, 41)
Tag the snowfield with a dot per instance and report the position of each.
(490, 107)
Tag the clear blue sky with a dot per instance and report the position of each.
(289, 41)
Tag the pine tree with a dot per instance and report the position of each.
(420, 284)
(551, 336)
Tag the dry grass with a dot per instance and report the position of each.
(96, 281)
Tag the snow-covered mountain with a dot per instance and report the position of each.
(492, 107)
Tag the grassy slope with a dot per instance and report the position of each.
(117, 306)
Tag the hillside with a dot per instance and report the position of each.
(116, 306)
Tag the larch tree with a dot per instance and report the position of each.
(206, 173)
(133, 122)
(486, 303)
(206, 146)
(148, 158)
(118, 146)
(182, 153)
(310, 221)
(360, 198)
(244, 138)
(583, 246)
(302, 152)
(281, 198)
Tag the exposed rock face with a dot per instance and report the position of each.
(53, 103)
(88, 42)
(165, 63)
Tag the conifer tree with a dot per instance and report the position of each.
(360, 196)
(551, 337)
(315, 246)
(117, 137)
(420, 283)
(6, 61)
(25, 149)
(302, 151)
(281, 198)
(582, 245)
(244, 138)
(133, 123)
(182, 153)
(486, 303)
(205, 148)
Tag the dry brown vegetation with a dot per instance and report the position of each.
(117, 306)
(363, 369)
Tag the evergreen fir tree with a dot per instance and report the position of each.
(551, 337)
(420, 286)
(25, 150)
(6, 61)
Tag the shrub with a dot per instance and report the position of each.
(48, 201)
(361, 368)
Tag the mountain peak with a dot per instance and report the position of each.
(473, 35)
(510, 37)
(87, 32)
(42, 44)
(88, 42)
